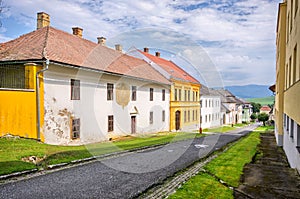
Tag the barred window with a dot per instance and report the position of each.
(163, 94)
(133, 94)
(151, 118)
(75, 89)
(151, 94)
(110, 91)
(110, 123)
(75, 129)
(14, 76)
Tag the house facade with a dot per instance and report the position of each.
(184, 92)
(63, 89)
(287, 117)
(211, 115)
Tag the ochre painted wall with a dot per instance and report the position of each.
(18, 107)
(183, 105)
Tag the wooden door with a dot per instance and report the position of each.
(133, 124)
(177, 120)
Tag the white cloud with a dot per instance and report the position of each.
(242, 32)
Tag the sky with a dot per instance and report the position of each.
(221, 42)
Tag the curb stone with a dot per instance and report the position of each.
(73, 162)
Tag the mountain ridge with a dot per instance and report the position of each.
(250, 91)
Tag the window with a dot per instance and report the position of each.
(151, 94)
(133, 93)
(75, 89)
(296, 7)
(287, 123)
(110, 123)
(193, 115)
(193, 95)
(14, 76)
(185, 116)
(179, 94)
(205, 118)
(200, 103)
(175, 95)
(196, 96)
(189, 95)
(290, 72)
(295, 63)
(185, 95)
(163, 116)
(205, 103)
(110, 91)
(292, 12)
(163, 94)
(151, 117)
(75, 129)
(298, 136)
(292, 129)
(189, 119)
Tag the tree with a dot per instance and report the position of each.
(255, 107)
(253, 116)
(263, 117)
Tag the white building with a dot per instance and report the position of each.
(210, 108)
(86, 91)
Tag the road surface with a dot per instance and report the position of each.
(125, 176)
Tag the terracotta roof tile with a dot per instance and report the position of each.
(63, 47)
(171, 68)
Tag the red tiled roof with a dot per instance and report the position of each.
(63, 47)
(171, 68)
(265, 108)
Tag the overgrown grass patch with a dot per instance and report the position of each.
(202, 186)
(12, 150)
(228, 167)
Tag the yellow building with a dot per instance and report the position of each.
(184, 94)
(287, 109)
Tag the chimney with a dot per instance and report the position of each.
(157, 54)
(101, 40)
(43, 20)
(77, 31)
(118, 47)
(146, 50)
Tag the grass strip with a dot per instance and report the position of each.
(228, 167)
(12, 150)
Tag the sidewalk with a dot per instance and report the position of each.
(269, 176)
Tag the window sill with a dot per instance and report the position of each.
(17, 89)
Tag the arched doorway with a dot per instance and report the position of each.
(177, 120)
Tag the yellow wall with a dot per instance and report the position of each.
(18, 107)
(280, 67)
(292, 63)
(184, 105)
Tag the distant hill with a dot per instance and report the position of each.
(262, 101)
(250, 91)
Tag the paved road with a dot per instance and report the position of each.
(120, 177)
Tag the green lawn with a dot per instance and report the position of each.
(228, 167)
(12, 150)
(262, 101)
(224, 128)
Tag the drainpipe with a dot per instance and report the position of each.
(38, 98)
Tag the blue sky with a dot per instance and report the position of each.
(236, 37)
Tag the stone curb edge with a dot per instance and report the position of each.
(73, 162)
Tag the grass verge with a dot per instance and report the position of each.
(227, 167)
(12, 150)
(224, 128)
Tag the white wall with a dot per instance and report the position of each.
(211, 111)
(291, 140)
(93, 108)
